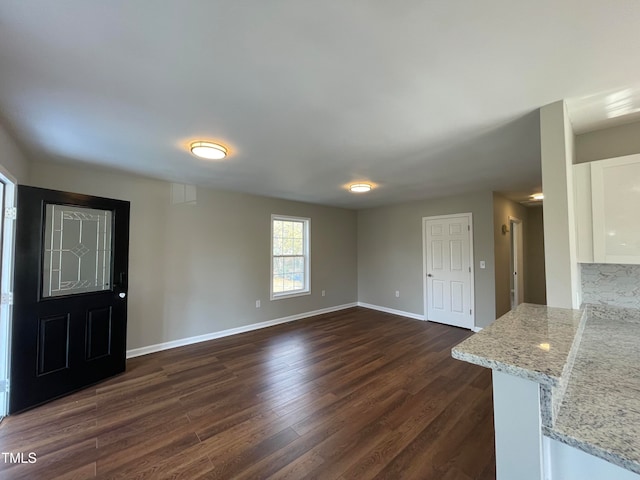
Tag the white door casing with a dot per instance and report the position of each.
(7, 215)
(448, 268)
(517, 260)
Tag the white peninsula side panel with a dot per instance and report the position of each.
(568, 463)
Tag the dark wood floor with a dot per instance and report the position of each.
(355, 394)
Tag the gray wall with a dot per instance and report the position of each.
(535, 279)
(12, 160)
(503, 208)
(608, 143)
(198, 269)
(390, 255)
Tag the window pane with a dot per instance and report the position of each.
(298, 247)
(277, 266)
(278, 283)
(297, 230)
(287, 246)
(287, 229)
(289, 263)
(77, 256)
(277, 246)
(277, 229)
(288, 282)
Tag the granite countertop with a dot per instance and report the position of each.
(600, 410)
(588, 366)
(532, 341)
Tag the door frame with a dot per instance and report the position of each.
(6, 273)
(516, 246)
(472, 288)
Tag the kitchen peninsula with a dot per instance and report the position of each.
(566, 391)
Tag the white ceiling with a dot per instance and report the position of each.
(422, 98)
(604, 109)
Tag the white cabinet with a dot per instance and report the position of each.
(582, 211)
(607, 210)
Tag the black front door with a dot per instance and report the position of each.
(70, 308)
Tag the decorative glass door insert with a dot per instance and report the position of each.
(77, 253)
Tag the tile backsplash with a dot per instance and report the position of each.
(611, 284)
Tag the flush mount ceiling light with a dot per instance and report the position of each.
(360, 187)
(537, 196)
(208, 150)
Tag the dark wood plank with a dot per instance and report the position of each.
(354, 394)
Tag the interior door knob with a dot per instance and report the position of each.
(429, 275)
(122, 294)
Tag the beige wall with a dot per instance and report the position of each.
(533, 246)
(534, 280)
(503, 208)
(608, 143)
(390, 255)
(12, 161)
(198, 269)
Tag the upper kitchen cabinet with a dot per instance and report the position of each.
(582, 211)
(607, 210)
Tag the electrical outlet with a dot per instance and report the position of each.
(323, 293)
(397, 293)
(257, 303)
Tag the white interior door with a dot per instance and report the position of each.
(449, 276)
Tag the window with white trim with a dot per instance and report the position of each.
(290, 253)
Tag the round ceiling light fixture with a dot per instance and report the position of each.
(208, 150)
(360, 187)
(537, 196)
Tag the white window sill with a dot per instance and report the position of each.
(281, 296)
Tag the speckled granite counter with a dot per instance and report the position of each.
(600, 411)
(588, 366)
(532, 342)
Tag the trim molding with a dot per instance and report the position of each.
(392, 311)
(137, 352)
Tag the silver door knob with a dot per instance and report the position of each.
(122, 294)
(429, 275)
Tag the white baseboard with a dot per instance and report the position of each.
(401, 313)
(391, 310)
(137, 352)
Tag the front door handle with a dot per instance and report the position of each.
(122, 295)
